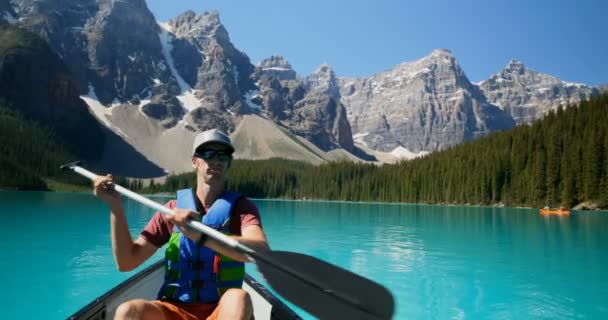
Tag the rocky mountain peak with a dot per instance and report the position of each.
(439, 64)
(437, 59)
(440, 57)
(122, 8)
(275, 61)
(276, 66)
(424, 105)
(323, 80)
(309, 107)
(528, 94)
(135, 4)
(324, 69)
(441, 52)
(516, 73)
(190, 23)
(515, 67)
(203, 55)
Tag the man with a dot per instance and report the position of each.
(203, 278)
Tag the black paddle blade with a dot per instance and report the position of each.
(322, 289)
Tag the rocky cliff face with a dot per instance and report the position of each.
(527, 94)
(124, 52)
(222, 72)
(323, 81)
(320, 119)
(309, 107)
(424, 105)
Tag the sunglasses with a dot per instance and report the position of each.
(210, 154)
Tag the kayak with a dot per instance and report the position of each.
(555, 211)
(145, 285)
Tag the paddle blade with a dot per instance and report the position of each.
(324, 290)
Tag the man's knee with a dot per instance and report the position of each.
(236, 293)
(136, 309)
(237, 303)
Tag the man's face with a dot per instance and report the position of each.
(211, 162)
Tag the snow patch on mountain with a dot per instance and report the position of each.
(404, 153)
(251, 95)
(574, 84)
(358, 138)
(101, 112)
(9, 17)
(187, 98)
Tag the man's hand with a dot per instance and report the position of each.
(103, 188)
(180, 218)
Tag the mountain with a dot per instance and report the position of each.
(527, 94)
(419, 106)
(154, 85)
(223, 74)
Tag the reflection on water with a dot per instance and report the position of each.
(440, 262)
(456, 262)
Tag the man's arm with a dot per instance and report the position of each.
(252, 236)
(128, 254)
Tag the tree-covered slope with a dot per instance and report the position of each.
(29, 154)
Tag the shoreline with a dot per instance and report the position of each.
(583, 206)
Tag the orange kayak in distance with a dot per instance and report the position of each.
(555, 211)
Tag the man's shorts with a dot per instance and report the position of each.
(186, 311)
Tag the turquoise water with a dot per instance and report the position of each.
(439, 262)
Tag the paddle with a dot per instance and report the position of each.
(322, 289)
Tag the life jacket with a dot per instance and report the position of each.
(196, 273)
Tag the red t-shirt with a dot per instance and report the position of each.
(159, 228)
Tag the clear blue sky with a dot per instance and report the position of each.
(359, 38)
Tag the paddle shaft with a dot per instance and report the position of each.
(196, 225)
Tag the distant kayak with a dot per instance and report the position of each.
(560, 211)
